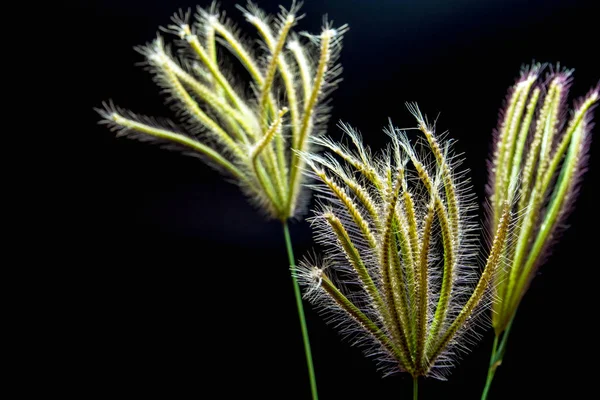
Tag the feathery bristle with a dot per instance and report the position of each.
(546, 159)
(400, 243)
(226, 122)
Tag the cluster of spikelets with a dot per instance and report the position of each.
(546, 155)
(400, 274)
(252, 130)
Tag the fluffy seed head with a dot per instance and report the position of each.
(225, 123)
(400, 244)
(543, 152)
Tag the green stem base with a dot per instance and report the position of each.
(297, 293)
(415, 388)
(498, 350)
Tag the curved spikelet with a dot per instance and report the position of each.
(249, 130)
(545, 152)
(400, 273)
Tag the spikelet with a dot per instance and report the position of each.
(545, 151)
(248, 130)
(400, 273)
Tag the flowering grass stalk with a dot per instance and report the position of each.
(251, 131)
(400, 272)
(545, 151)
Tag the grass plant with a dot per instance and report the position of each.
(249, 129)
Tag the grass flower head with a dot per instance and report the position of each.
(544, 148)
(400, 272)
(249, 129)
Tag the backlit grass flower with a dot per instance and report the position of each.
(545, 147)
(400, 272)
(246, 110)
(247, 128)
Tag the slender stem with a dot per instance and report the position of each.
(309, 362)
(415, 387)
(491, 370)
(496, 357)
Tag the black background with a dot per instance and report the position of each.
(178, 288)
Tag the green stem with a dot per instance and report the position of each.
(415, 387)
(496, 357)
(491, 370)
(309, 362)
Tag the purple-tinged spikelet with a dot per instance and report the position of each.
(543, 147)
